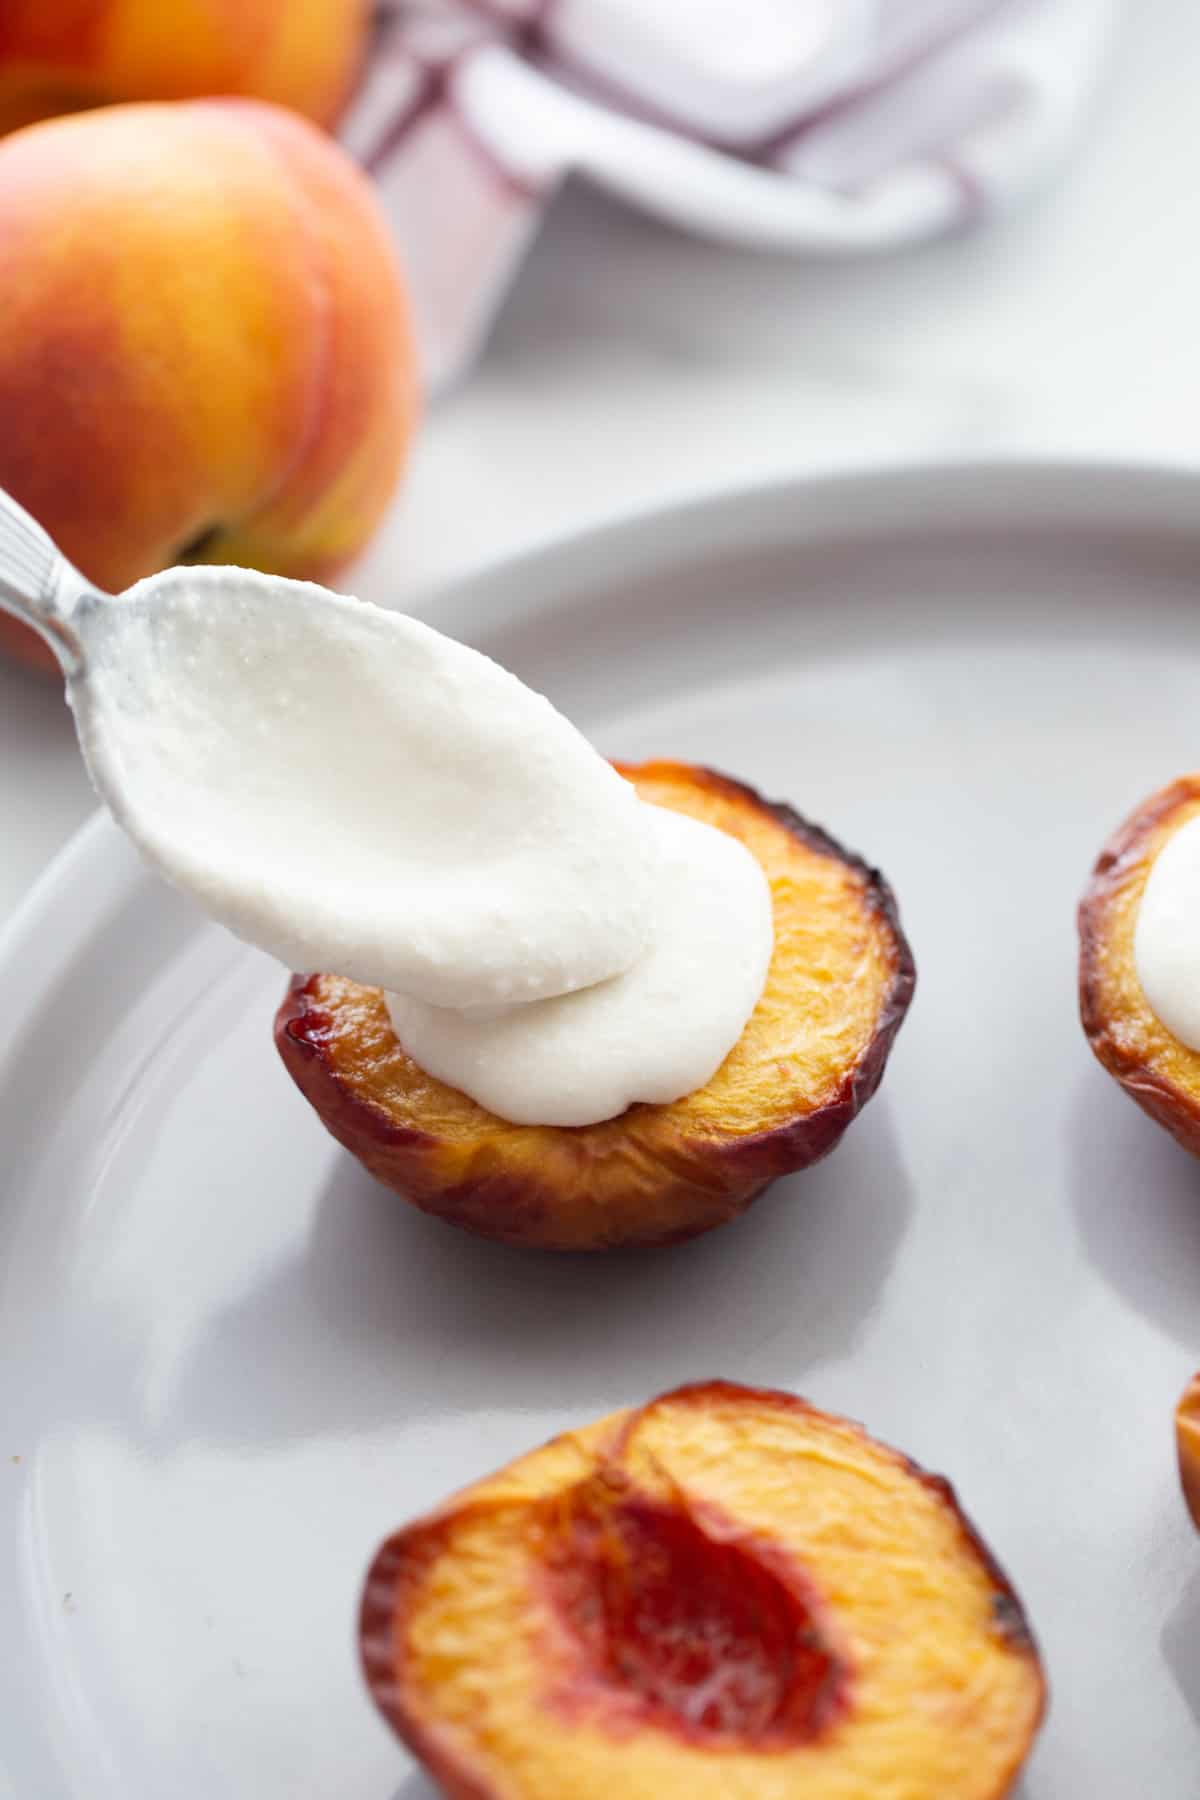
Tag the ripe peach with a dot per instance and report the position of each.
(1148, 1061)
(59, 56)
(811, 1056)
(205, 348)
(722, 1592)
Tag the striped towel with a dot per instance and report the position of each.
(819, 126)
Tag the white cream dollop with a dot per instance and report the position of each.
(1166, 942)
(354, 792)
(655, 1033)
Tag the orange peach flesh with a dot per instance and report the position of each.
(724, 1592)
(813, 1052)
(205, 350)
(1154, 1068)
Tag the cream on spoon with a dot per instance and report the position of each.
(352, 791)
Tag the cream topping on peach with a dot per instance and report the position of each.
(355, 792)
(1167, 937)
(656, 1032)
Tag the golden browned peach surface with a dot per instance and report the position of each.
(839, 984)
(1159, 1072)
(723, 1593)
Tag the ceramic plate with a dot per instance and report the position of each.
(231, 1363)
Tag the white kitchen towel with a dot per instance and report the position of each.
(803, 125)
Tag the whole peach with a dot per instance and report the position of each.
(205, 348)
(60, 55)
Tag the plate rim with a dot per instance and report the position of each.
(707, 510)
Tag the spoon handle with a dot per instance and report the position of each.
(38, 585)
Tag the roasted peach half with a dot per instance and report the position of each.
(724, 1592)
(1150, 1063)
(811, 1055)
(1187, 1445)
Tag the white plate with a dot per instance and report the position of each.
(232, 1363)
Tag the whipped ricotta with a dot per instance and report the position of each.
(1166, 943)
(352, 791)
(655, 1033)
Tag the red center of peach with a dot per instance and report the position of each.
(709, 1636)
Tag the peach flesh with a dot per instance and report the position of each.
(713, 1640)
(722, 1592)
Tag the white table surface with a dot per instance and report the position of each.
(634, 365)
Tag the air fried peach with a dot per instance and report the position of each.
(812, 1054)
(722, 1592)
(1149, 1062)
(57, 56)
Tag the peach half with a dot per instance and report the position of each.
(1149, 1062)
(812, 1054)
(723, 1592)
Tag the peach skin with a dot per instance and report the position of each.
(723, 1592)
(205, 347)
(60, 56)
(812, 1054)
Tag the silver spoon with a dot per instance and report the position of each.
(42, 589)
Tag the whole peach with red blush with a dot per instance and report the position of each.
(59, 56)
(205, 346)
